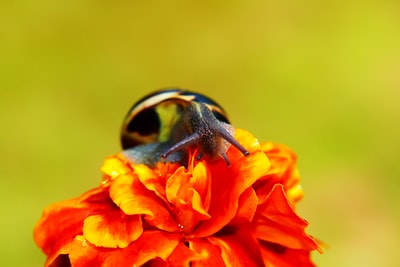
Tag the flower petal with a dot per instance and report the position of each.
(239, 248)
(182, 256)
(209, 253)
(133, 198)
(248, 202)
(190, 212)
(275, 255)
(115, 165)
(112, 230)
(155, 179)
(228, 183)
(62, 221)
(177, 185)
(183, 195)
(283, 171)
(201, 181)
(277, 222)
(151, 245)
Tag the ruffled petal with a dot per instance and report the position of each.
(151, 245)
(238, 248)
(209, 253)
(201, 181)
(112, 230)
(182, 256)
(155, 179)
(177, 186)
(276, 222)
(248, 202)
(129, 194)
(182, 193)
(283, 171)
(62, 221)
(275, 255)
(228, 183)
(114, 166)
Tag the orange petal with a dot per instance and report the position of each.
(154, 179)
(115, 165)
(209, 253)
(239, 248)
(190, 212)
(112, 230)
(228, 183)
(59, 257)
(182, 256)
(177, 185)
(183, 195)
(276, 222)
(151, 245)
(201, 181)
(275, 255)
(62, 221)
(248, 202)
(133, 198)
(246, 139)
(283, 171)
(197, 204)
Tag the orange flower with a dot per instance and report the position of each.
(206, 214)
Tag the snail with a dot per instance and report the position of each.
(162, 125)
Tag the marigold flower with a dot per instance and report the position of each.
(205, 214)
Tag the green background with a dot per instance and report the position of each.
(322, 77)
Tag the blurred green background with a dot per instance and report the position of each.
(321, 77)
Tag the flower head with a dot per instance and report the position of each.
(205, 214)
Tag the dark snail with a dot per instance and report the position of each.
(160, 126)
